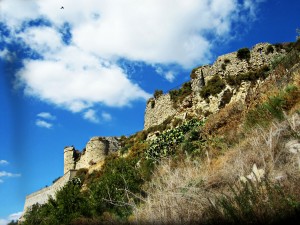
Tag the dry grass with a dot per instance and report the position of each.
(175, 195)
(180, 194)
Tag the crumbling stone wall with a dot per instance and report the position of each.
(225, 65)
(69, 163)
(42, 196)
(96, 150)
(158, 110)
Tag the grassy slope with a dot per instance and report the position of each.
(200, 179)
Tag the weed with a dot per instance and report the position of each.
(254, 202)
(213, 87)
(243, 53)
(158, 93)
(177, 96)
(270, 49)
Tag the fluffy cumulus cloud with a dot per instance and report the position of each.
(13, 216)
(78, 47)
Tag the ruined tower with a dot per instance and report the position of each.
(69, 162)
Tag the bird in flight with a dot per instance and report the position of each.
(62, 7)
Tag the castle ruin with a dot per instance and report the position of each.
(95, 151)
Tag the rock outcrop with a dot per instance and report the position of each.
(96, 150)
(158, 110)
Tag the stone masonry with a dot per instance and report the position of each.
(158, 110)
(225, 65)
(96, 150)
(42, 196)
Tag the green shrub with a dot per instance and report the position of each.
(213, 87)
(290, 59)
(158, 93)
(243, 53)
(278, 46)
(264, 113)
(223, 66)
(251, 76)
(273, 108)
(226, 61)
(70, 203)
(176, 122)
(165, 144)
(270, 49)
(276, 61)
(111, 191)
(82, 174)
(151, 101)
(177, 96)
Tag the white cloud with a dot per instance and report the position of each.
(43, 124)
(14, 216)
(170, 76)
(106, 116)
(3, 162)
(46, 115)
(85, 72)
(8, 174)
(44, 40)
(91, 116)
(5, 174)
(76, 81)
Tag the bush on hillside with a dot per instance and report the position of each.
(243, 53)
(70, 203)
(177, 96)
(165, 144)
(270, 49)
(213, 87)
(157, 94)
(251, 76)
(273, 108)
(111, 192)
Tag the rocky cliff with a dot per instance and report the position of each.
(232, 76)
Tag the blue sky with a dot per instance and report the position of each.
(87, 70)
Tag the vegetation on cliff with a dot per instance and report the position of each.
(240, 166)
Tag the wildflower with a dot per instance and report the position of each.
(256, 174)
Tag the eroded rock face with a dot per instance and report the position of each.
(227, 65)
(158, 110)
(96, 150)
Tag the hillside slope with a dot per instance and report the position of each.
(225, 149)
